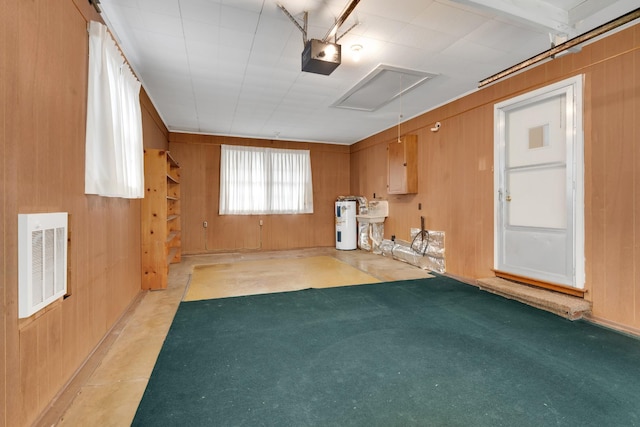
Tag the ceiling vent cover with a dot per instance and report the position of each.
(381, 86)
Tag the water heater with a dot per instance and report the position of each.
(346, 225)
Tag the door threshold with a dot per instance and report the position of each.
(567, 306)
(563, 289)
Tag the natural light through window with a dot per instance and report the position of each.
(114, 157)
(256, 180)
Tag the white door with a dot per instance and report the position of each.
(539, 208)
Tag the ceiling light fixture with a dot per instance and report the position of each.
(356, 50)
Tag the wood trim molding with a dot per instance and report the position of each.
(615, 326)
(568, 290)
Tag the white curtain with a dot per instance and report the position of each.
(255, 180)
(114, 158)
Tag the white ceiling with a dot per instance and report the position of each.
(233, 67)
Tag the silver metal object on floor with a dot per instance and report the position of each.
(426, 250)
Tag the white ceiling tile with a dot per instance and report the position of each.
(473, 52)
(128, 16)
(201, 33)
(505, 37)
(112, 3)
(172, 57)
(231, 58)
(423, 39)
(234, 39)
(379, 28)
(274, 32)
(238, 19)
(591, 17)
(248, 5)
(233, 67)
(261, 63)
(204, 11)
(448, 19)
(202, 57)
(165, 7)
(161, 24)
(403, 11)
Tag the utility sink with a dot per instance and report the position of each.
(367, 219)
(378, 211)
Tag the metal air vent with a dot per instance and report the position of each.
(42, 260)
(381, 86)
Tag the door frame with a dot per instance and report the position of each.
(575, 166)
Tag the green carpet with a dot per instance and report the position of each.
(428, 352)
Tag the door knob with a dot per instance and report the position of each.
(508, 198)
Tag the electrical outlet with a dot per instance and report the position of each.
(205, 224)
(261, 223)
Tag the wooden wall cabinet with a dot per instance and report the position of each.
(160, 218)
(402, 165)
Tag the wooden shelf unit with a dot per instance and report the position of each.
(402, 165)
(161, 243)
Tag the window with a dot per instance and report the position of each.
(255, 180)
(114, 158)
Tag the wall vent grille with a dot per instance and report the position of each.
(42, 260)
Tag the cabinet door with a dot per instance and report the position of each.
(396, 181)
(402, 169)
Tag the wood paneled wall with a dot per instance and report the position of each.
(456, 173)
(43, 65)
(455, 182)
(43, 79)
(613, 178)
(199, 158)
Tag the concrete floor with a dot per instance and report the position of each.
(108, 389)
